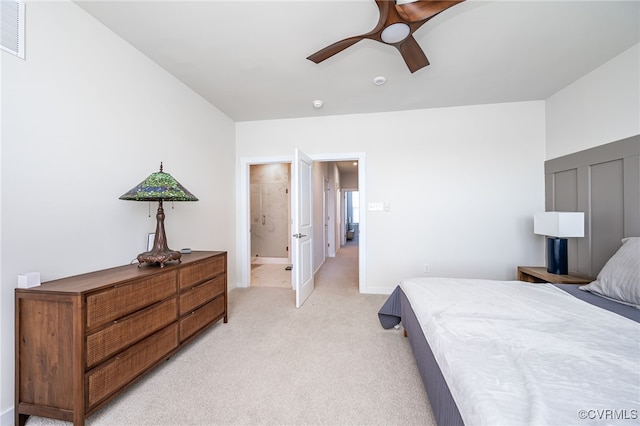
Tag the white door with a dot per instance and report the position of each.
(302, 240)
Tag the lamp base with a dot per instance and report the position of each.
(160, 253)
(557, 259)
(158, 257)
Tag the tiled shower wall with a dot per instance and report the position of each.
(270, 210)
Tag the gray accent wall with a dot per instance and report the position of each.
(604, 183)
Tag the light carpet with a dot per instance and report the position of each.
(327, 363)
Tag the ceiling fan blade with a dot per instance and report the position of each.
(423, 10)
(339, 46)
(412, 54)
(334, 48)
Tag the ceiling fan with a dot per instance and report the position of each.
(398, 21)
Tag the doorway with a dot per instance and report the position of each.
(351, 203)
(270, 216)
(331, 224)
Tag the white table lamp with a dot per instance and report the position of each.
(558, 226)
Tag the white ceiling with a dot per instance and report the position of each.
(248, 58)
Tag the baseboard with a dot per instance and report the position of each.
(6, 418)
(270, 260)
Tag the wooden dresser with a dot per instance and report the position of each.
(82, 340)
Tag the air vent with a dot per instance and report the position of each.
(12, 20)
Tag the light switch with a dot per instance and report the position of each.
(379, 207)
(376, 207)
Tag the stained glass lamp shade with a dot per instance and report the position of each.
(159, 186)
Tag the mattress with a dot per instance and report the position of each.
(535, 408)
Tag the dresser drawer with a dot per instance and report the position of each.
(120, 300)
(202, 293)
(122, 333)
(112, 375)
(199, 318)
(200, 271)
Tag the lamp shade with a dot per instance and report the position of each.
(159, 186)
(559, 224)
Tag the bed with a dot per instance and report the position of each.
(510, 352)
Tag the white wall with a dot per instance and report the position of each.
(601, 107)
(462, 183)
(85, 118)
(349, 180)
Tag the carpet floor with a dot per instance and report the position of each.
(327, 363)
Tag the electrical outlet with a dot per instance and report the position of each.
(426, 268)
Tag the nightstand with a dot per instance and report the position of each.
(539, 274)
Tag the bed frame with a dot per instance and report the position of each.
(444, 408)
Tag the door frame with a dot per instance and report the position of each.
(243, 260)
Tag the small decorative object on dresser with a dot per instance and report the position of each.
(80, 341)
(539, 274)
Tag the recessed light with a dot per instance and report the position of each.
(379, 81)
(317, 103)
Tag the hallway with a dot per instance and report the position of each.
(341, 270)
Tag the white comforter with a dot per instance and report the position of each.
(515, 353)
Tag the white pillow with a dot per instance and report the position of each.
(619, 279)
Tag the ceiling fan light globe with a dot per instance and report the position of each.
(395, 33)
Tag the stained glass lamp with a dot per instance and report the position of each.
(159, 186)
